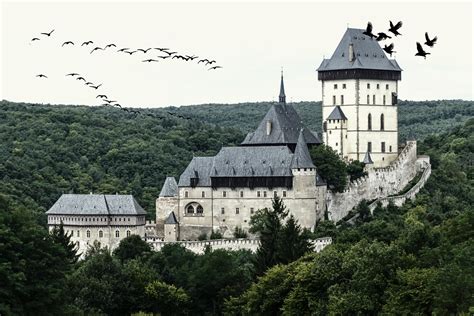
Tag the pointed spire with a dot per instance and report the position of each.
(301, 157)
(282, 96)
(367, 158)
(171, 219)
(170, 188)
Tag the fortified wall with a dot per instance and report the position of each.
(379, 183)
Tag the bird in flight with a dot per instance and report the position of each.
(205, 60)
(394, 28)
(169, 53)
(132, 52)
(430, 42)
(161, 49)
(41, 76)
(144, 50)
(95, 87)
(389, 49)
(81, 78)
(109, 101)
(72, 74)
(48, 34)
(149, 60)
(35, 39)
(67, 43)
(97, 48)
(192, 57)
(215, 67)
(164, 57)
(368, 31)
(123, 49)
(382, 36)
(102, 96)
(210, 62)
(420, 50)
(87, 43)
(88, 83)
(110, 45)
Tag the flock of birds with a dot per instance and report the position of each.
(164, 53)
(394, 30)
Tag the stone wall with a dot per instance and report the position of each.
(379, 183)
(198, 247)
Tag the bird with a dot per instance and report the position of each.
(95, 87)
(123, 49)
(215, 67)
(97, 48)
(72, 74)
(41, 76)
(35, 39)
(132, 52)
(144, 50)
(192, 57)
(164, 57)
(430, 42)
(48, 34)
(394, 28)
(161, 49)
(420, 52)
(368, 30)
(110, 45)
(389, 49)
(81, 78)
(87, 43)
(102, 96)
(382, 36)
(203, 60)
(118, 105)
(210, 62)
(149, 60)
(109, 101)
(169, 53)
(88, 83)
(67, 43)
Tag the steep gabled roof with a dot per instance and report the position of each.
(170, 188)
(171, 219)
(367, 159)
(367, 54)
(337, 114)
(200, 167)
(301, 157)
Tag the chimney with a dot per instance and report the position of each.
(351, 52)
(269, 127)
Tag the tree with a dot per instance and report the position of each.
(167, 299)
(330, 167)
(132, 247)
(239, 232)
(215, 235)
(61, 238)
(355, 170)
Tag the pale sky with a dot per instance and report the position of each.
(252, 41)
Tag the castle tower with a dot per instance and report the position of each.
(362, 82)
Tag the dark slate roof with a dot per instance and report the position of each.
(367, 53)
(337, 114)
(286, 125)
(282, 88)
(171, 219)
(367, 159)
(96, 204)
(170, 188)
(319, 180)
(301, 157)
(200, 166)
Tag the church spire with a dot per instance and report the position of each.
(282, 96)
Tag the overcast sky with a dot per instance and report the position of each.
(251, 41)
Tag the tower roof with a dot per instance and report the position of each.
(367, 54)
(302, 158)
(171, 219)
(282, 96)
(367, 159)
(170, 188)
(337, 114)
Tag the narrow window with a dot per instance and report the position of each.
(101, 234)
(284, 194)
(368, 86)
(378, 86)
(88, 234)
(373, 99)
(383, 147)
(258, 193)
(78, 234)
(335, 86)
(128, 233)
(186, 194)
(203, 194)
(390, 148)
(382, 122)
(190, 209)
(264, 193)
(368, 99)
(117, 233)
(237, 210)
(275, 194)
(72, 233)
(251, 210)
(222, 211)
(384, 100)
(386, 86)
(369, 122)
(199, 209)
(224, 193)
(241, 194)
(336, 144)
(369, 147)
(343, 86)
(333, 100)
(342, 100)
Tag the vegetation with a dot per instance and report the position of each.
(330, 167)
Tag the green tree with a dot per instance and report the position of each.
(61, 238)
(355, 170)
(330, 167)
(239, 232)
(167, 299)
(132, 247)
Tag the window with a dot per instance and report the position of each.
(335, 86)
(199, 209)
(251, 210)
(186, 194)
(368, 99)
(258, 193)
(264, 193)
(237, 210)
(275, 194)
(378, 86)
(222, 210)
(373, 99)
(368, 86)
(394, 98)
(343, 86)
(284, 194)
(190, 209)
(390, 148)
(369, 122)
(88, 234)
(369, 147)
(382, 122)
(72, 233)
(384, 100)
(78, 234)
(342, 100)
(117, 233)
(203, 194)
(386, 86)
(241, 194)
(336, 144)
(333, 100)
(224, 193)
(128, 233)
(383, 147)
(101, 234)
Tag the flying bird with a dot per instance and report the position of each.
(81, 78)
(102, 96)
(192, 57)
(149, 60)
(48, 34)
(67, 43)
(123, 49)
(132, 52)
(144, 50)
(164, 57)
(210, 62)
(109, 101)
(430, 42)
(169, 53)
(72, 74)
(41, 76)
(35, 39)
(95, 87)
(87, 43)
(203, 60)
(88, 83)
(394, 28)
(420, 50)
(215, 67)
(161, 49)
(110, 45)
(97, 48)
(368, 31)
(382, 36)
(389, 49)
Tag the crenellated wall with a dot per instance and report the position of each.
(379, 183)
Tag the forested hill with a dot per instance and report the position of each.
(417, 119)
(47, 150)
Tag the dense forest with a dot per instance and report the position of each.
(47, 150)
(417, 259)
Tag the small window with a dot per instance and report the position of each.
(384, 100)
(203, 194)
(79, 235)
(369, 147)
(378, 86)
(222, 211)
(284, 194)
(237, 210)
(186, 194)
(335, 86)
(101, 234)
(190, 209)
(368, 86)
(275, 194)
(368, 99)
(343, 86)
(383, 147)
(258, 193)
(72, 233)
(251, 210)
(382, 122)
(373, 99)
(333, 100)
(117, 233)
(342, 100)
(390, 148)
(199, 209)
(264, 193)
(224, 193)
(88, 234)
(330, 133)
(128, 233)
(386, 87)
(369, 122)
(241, 194)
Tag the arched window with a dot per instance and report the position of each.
(194, 208)
(117, 233)
(88, 234)
(369, 122)
(199, 209)
(128, 233)
(101, 234)
(190, 209)
(382, 123)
